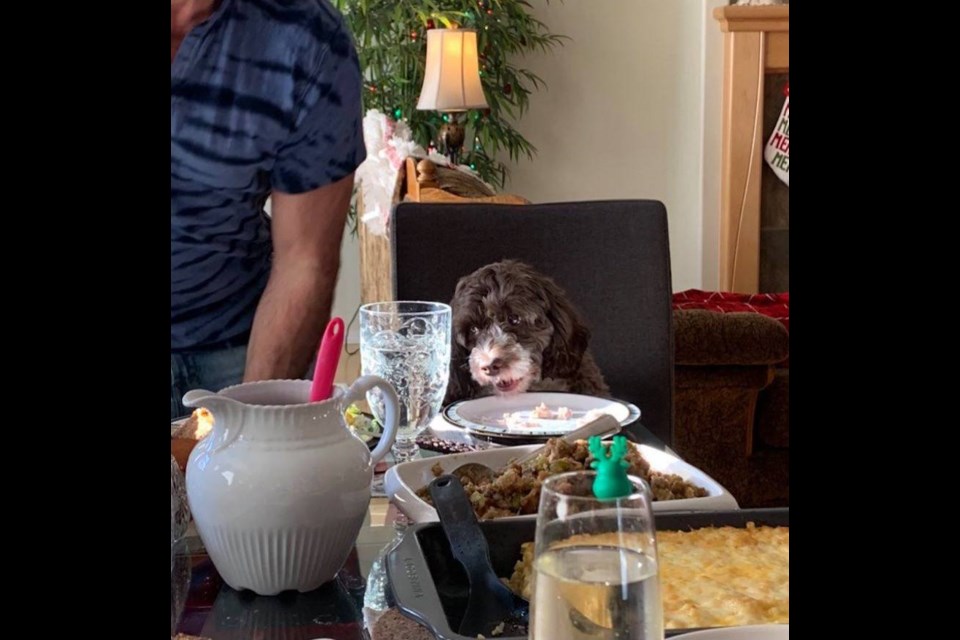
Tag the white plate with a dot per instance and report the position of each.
(751, 632)
(402, 481)
(489, 415)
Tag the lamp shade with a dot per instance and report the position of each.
(451, 79)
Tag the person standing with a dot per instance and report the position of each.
(264, 103)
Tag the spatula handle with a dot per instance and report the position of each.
(328, 357)
(461, 527)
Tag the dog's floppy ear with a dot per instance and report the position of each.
(564, 354)
(461, 385)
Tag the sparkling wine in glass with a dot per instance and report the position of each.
(408, 344)
(595, 564)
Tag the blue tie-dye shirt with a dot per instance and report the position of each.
(264, 95)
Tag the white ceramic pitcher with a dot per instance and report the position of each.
(280, 487)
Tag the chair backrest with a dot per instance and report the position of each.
(611, 257)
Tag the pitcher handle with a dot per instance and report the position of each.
(358, 391)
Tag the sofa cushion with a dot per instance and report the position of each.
(719, 377)
(708, 338)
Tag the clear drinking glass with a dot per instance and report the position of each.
(595, 564)
(408, 344)
(179, 511)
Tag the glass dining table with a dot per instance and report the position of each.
(203, 605)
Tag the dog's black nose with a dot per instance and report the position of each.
(493, 368)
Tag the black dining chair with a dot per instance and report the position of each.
(611, 257)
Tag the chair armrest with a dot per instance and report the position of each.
(712, 338)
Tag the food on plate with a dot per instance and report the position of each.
(518, 420)
(516, 490)
(541, 411)
(544, 412)
(709, 577)
(366, 427)
(528, 419)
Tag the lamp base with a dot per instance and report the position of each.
(452, 134)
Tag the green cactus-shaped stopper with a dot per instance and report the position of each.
(611, 481)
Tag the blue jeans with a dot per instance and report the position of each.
(210, 370)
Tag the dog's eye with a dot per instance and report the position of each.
(513, 319)
(474, 330)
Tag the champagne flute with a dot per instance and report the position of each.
(407, 343)
(595, 563)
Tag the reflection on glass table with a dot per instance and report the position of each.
(202, 605)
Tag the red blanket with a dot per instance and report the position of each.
(775, 305)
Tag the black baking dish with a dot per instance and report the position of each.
(430, 586)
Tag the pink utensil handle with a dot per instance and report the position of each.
(328, 357)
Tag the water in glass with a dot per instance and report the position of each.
(407, 344)
(595, 564)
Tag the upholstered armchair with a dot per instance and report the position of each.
(732, 402)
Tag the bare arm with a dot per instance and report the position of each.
(295, 307)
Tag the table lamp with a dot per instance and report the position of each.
(451, 83)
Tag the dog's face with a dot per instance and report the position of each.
(515, 327)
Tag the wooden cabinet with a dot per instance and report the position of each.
(756, 42)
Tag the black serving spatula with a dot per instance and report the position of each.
(490, 602)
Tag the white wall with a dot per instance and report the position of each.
(346, 299)
(623, 113)
(712, 67)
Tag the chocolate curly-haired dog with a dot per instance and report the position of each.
(514, 330)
